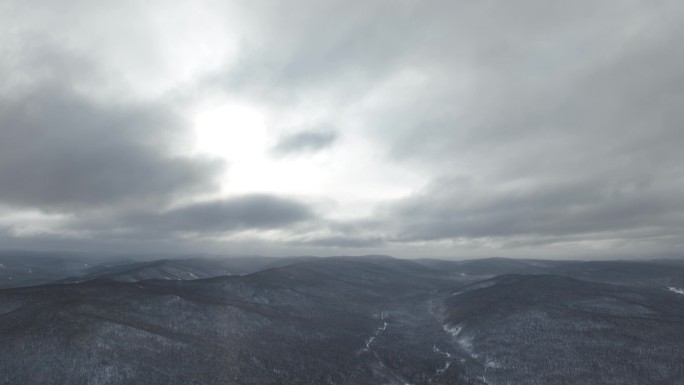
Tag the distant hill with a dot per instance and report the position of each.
(180, 269)
(18, 269)
(34, 268)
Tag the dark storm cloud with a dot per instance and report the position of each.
(187, 228)
(62, 151)
(256, 211)
(68, 145)
(304, 142)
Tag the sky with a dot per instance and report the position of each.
(461, 128)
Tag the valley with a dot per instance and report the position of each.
(350, 320)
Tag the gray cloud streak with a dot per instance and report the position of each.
(304, 142)
(257, 211)
(343, 242)
(462, 210)
(59, 151)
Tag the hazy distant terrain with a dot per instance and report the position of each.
(26, 269)
(343, 320)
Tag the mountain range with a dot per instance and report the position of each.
(339, 320)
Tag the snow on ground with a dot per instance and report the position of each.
(376, 334)
(454, 331)
(447, 355)
(676, 290)
(465, 342)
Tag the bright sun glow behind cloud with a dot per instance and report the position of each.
(244, 135)
(234, 132)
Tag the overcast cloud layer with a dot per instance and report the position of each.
(413, 128)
